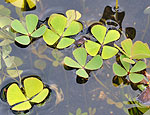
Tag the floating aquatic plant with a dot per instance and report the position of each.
(61, 28)
(29, 33)
(21, 99)
(99, 32)
(132, 72)
(80, 55)
(138, 50)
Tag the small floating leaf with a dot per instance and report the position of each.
(39, 32)
(109, 52)
(95, 63)
(65, 42)
(92, 47)
(118, 70)
(58, 23)
(50, 37)
(24, 40)
(31, 22)
(124, 63)
(80, 55)
(136, 78)
(18, 27)
(127, 45)
(70, 62)
(140, 50)
(99, 32)
(112, 35)
(73, 29)
(82, 73)
(140, 65)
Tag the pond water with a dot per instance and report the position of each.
(98, 96)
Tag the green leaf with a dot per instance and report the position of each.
(31, 22)
(140, 50)
(95, 63)
(92, 48)
(18, 27)
(112, 35)
(127, 45)
(71, 63)
(18, 96)
(136, 78)
(40, 64)
(140, 65)
(50, 37)
(120, 49)
(73, 29)
(125, 64)
(24, 40)
(14, 73)
(80, 55)
(32, 86)
(6, 50)
(65, 42)
(58, 23)
(82, 73)
(109, 52)
(39, 32)
(99, 32)
(118, 70)
(129, 60)
(41, 96)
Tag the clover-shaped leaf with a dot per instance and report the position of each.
(138, 50)
(23, 99)
(132, 72)
(80, 55)
(99, 32)
(61, 29)
(29, 33)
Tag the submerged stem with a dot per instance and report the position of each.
(146, 28)
(17, 71)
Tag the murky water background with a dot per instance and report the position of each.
(92, 94)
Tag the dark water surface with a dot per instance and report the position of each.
(92, 94)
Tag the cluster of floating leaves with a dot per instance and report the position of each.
(61, 33)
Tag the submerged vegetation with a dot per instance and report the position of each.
(92, 47)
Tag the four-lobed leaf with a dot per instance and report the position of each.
(61, 28)
(22, 99)
(99, 32)
(132, 72)
(80, 55)
(29, 33)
